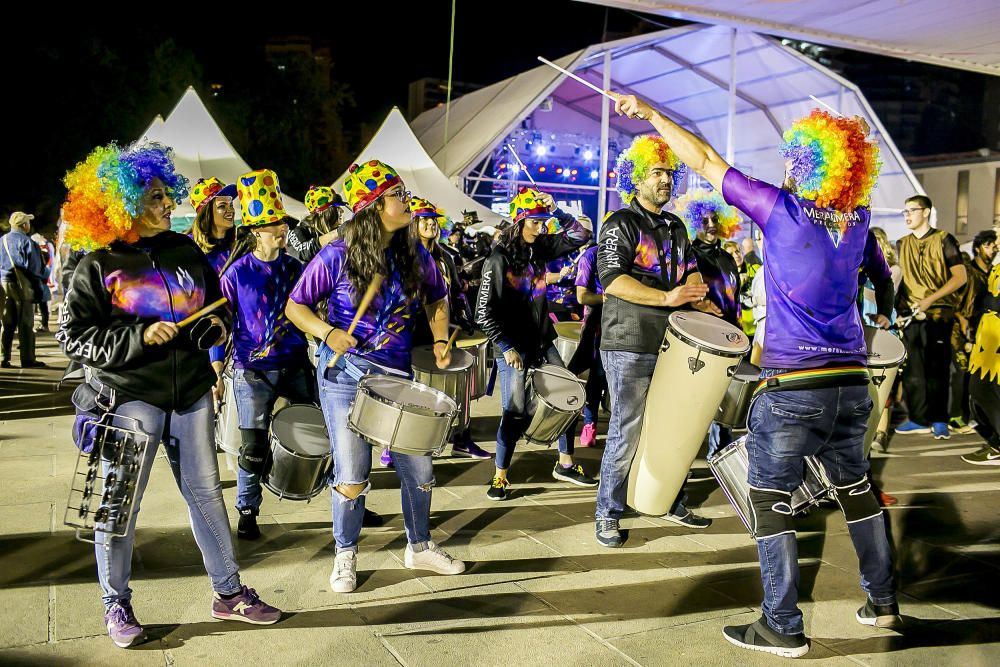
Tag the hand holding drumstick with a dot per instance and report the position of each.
(373, 287)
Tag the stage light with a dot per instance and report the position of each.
(558, 170)
(588, 155)
(573, 172)
(540, 151)
(593, 173)
(541, 170)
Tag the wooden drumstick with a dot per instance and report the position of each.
(451, 341)
(198, 314)
(366, 300)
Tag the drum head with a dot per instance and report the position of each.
(708, 333)
(424, 359)
(475, 340)
(885, 350)
(560, 388)
(569, 330)
(301, 429)
(407, 393)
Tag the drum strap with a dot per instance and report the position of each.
(816, 378)
(664, 273)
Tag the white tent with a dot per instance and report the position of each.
(962, 35)
(687, 72)
(396, 145)
(201, 150)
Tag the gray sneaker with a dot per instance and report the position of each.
(245, 606)
(344, 578)
(609, 533)
(986, 456)
(123, 628)
(689, 520)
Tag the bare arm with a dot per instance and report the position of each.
(629, 289)
(691, 149)
(955, 283)
(587, 297)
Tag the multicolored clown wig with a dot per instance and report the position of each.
(106, 192)
(634, 162)
(697, 205)
(833, 163)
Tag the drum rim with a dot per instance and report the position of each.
(443, 371)
(423, 410)
(698, 345)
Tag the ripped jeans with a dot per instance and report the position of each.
(352, 457)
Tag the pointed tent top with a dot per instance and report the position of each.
(395, 144)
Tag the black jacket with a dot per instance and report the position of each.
(116, 293)
(653, 249)
(458, 304)
(719, 271)
(511, 307)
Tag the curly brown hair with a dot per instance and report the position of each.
(363, 236)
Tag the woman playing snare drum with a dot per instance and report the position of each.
(374, 243)
(513, 312)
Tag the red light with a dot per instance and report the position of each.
(558, 170)
(541, 170)
(611, 174)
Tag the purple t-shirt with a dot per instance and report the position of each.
(586, 271)
(812, 257)
(564, 291)
(385, 331)
(263, 338)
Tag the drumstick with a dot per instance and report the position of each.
(819, 101)
(637, 116)
(523, 167)
(366, 300)
(451, 341)
(204, 311)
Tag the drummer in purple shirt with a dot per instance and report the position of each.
(813, 400)
(269, 354)
(374, 242)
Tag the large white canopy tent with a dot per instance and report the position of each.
(396, 145)
(736, 88)
(201, 150)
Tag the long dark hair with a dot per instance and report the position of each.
(363, 235)
(324, 221)
(413, 232)
(201, 230)
(512, 239)
(245, 244)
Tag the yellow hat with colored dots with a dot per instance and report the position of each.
(319, 198)
(260, 198)
(207, 189)
(421, 208)
(367, 182)
(527, 205)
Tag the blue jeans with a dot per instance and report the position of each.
(352, 464)
(515, 417)
(629, 375)
(187, 438)
(597, 384)
(830, 424)
(255, 394)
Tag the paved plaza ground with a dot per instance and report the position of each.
(539, 589)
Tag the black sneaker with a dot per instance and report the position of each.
(608, 533)
(247, 528)
(33, 364)
(498, 488)
(689, 520)
(6, 364)
(371, 519)
(879, 615)
(758, 636)
(573, 475)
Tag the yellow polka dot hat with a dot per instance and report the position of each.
(207, 189)
(319, 198)
(421, 208)
(367, 182)
(527, 205)
(260, 198)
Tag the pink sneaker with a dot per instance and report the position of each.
(588, 436)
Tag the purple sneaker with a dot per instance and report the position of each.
(470, 449)
(386, 458)
(123, 629)
(246, 607)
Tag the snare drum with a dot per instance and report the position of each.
(886, 354)
(405, 416)
(735, 404)
(454, 380)
(300, 453)
(479, 347)
(227, 419)
(696, 360)
(568, 339)
(557, 397)
(731, 468)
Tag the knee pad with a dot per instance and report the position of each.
(349, 492)
(254, 450)
(772, 513)
(857, 501)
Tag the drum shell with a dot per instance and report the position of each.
(568, 339)
(549, 421)
(293, 474)
(735, 404)
(383, 422)
(455, 384)
(479, 374)
(227, 420)
(680, 405)
(731, 468)
(886, 353)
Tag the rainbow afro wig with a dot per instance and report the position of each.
(106, 191)
(696, 205)
(833, 163)
(633, 164)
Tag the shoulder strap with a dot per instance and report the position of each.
(667, 276)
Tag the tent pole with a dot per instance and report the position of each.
(602, 197)
(730, 148)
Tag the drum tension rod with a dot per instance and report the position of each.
(695, 363)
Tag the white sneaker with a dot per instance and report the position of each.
(344, 578)
(433, 558)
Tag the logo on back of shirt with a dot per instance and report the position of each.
(186, 282)
(836, 223)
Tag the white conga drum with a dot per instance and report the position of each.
(698, 357)
(886, 353)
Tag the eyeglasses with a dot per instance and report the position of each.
(402, 195)
(912, 211)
